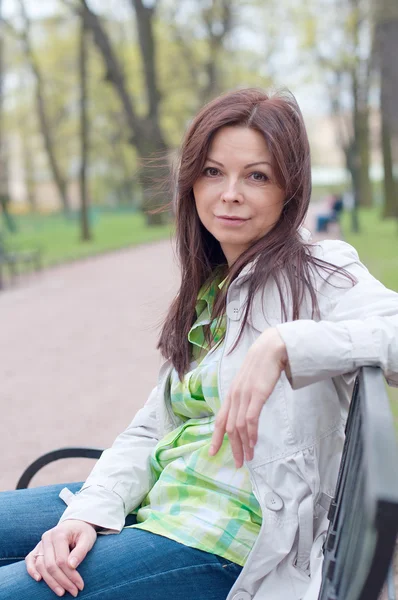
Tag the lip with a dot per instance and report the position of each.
(231, 219)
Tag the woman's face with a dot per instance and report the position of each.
(237, 197)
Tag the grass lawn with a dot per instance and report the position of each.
(377, 245)
(59, 238)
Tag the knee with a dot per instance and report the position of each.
(14, 582)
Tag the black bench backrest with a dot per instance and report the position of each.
(364, 514)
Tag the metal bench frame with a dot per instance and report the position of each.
(363, 516)
(12, 258)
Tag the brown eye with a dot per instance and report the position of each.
(211, 172)
(260, 177)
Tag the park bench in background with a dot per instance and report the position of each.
(12, 259)
(363, 515)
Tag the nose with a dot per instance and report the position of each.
(231, 192)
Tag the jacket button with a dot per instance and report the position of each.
(273, 501)
(241, 595)
(233, 310)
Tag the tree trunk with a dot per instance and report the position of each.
(145, 16)
(114, 73)
(386, 44)
(153, 178)
(390, 188)
(362, 135)
(84, 134)
(218, 22)
(4, 191)
(146, 134)
(351, 156)
(29, 170)
(58, 177)
(360, 92)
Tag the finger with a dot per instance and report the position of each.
(252, 418)
(237, 448)
(30, 561)
(52, 567)
(79, 552)
(241, 426)
(48, 578)
(62, 559)
(233, 433)
(219, 428)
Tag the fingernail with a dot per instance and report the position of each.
(74, 593)
(252, 444)
(37, 576)
(73, 562)
(80, 586)
(59, 591)
(211, 451)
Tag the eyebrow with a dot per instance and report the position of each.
(261, 162)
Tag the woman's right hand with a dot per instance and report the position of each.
(59, 552)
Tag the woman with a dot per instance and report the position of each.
(261, 343)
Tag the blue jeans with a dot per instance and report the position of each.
(135, 564)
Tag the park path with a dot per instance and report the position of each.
(78, 357)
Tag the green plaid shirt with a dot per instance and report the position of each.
(201, 501)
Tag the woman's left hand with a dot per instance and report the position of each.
(251, 388)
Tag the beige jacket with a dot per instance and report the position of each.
(301, 429)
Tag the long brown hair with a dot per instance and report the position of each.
(281, 254)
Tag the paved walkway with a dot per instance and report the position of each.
(78, 358)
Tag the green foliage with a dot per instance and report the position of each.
(182, 53)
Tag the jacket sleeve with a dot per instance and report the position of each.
(358, 326)
(121, 477)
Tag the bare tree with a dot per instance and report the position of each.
(58, 176)
(4, 192)
(386, 51)
(216, 18)
(145, 131)
(342, 48)
(84, 133)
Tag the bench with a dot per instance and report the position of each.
(363, 515)
(13, 258)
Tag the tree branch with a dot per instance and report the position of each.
(145, 16)
(114, 73)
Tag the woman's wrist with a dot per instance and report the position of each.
(282, 354)
(273, 341)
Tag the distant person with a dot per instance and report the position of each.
(335, 208)
(262, 343)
